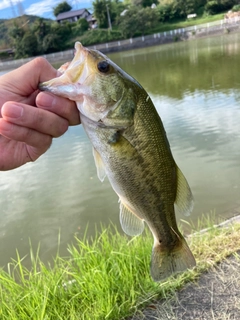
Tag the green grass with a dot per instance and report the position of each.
(107, 278)
(187, 23)
(102, 35)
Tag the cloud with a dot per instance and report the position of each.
(45, 6)
(39, 8)
(4, 4)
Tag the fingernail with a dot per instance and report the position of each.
(46, 100)
(12, 111)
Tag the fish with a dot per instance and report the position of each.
(131, 148)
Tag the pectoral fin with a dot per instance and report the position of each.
(99, 165)
(131, 224)
(184, 198)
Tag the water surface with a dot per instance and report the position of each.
(195, 87)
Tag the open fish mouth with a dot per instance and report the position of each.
(73, 75)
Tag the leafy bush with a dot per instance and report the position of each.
(213, 7)
(166, 12)
(80, 27)
(51, 43)
(236, 8)
(4, 55)
(99, 36)
(217, 6)
(61, 7)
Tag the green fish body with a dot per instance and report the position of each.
(130, 147)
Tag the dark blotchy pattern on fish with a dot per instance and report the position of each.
(131, 148)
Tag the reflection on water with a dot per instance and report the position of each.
(195, 87)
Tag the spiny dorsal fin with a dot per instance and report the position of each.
(99, 165)
(131, 224)
(184, 198)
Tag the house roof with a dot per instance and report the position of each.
(70, 14)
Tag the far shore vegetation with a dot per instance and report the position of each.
(103, 278)
(116, 20)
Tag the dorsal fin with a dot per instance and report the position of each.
(184, 198)
(99, 165)
(131, 224)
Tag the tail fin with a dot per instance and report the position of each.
(165, 263)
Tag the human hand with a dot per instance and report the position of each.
(28, 119)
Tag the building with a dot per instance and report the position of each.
(73, 15)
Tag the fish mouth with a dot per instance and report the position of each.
(66, 85)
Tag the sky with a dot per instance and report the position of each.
(43, 8)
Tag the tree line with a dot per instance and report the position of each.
(128, 18)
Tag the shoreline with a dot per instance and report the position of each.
(94, 272)
(214, 294)
(177, 35)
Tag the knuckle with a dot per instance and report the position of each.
(37, 118)
(40, 62)
(27, 134)
(61, 129)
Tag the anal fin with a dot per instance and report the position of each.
(131, 224)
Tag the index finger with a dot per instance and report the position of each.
(28, 76)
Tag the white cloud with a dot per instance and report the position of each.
(4, 4)
(39, 8)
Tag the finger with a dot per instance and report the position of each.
(34, 118)
(37, 70)
(41, 142)
(62, 106)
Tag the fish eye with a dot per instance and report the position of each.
(103, 66)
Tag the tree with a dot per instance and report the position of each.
(127, 23)
(167, 11)
(83, 24)
(147, 18)
(30, 44)
(16, 32)
(115, 7)
(100, 12)
(61, 7)
(143, 3)
(51, 43)
(136, 19)
(184, 7)
(64, 31)
(80, 27)
(41, 28)
(216, 6)
(213, 7)
(27, 47)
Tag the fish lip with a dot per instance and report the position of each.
(72, 73)
(43, 87)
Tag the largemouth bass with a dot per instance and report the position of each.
(130, 147)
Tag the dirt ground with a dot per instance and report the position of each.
(215, 295)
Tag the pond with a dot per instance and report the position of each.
(195, 87)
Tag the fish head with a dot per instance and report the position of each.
(98, 86)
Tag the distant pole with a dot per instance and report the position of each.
(109, 20)
(12, 7)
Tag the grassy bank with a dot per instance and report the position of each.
(168, 26)
(97, 36)
(105, 279)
